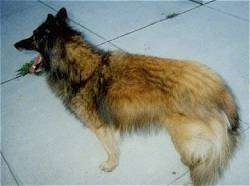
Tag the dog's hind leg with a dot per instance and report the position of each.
(110, 140)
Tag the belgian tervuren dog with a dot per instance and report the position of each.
(117, 92)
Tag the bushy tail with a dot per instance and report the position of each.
(228, 105)
(220, 146)
(206, 144)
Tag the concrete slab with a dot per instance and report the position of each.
(236, 9)
(6, 176)
(111, 19)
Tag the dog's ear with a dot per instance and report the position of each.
(62, 15)
(50, 18)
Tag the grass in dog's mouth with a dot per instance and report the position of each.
(32, 67)
(24, 69)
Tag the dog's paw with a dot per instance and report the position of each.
(108, 166)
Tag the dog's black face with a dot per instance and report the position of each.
(44, 36)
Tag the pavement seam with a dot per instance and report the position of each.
(10, 169)
(179, 177)
(148, 25)
(132, 31)
(221, 11)
(200, 2)
(244, 122)
(79, 24)
(245, 130)
(227, 13)
(197, 2)
(155, 22)
(6, 81)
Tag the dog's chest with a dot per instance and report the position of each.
(59, 87)
(79, 98)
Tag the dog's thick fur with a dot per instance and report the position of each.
(120, 92)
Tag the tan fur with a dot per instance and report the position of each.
(128, 92)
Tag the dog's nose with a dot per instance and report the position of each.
(17, 46)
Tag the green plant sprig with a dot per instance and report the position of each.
(25, 69)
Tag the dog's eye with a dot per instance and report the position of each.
(47, 31)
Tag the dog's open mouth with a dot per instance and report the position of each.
(36, 66)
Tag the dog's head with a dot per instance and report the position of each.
(54, 28)
(46, 33)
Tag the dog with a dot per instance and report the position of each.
(117, 92)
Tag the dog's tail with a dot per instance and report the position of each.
(219, 148)
(213, 158)
(228, 105)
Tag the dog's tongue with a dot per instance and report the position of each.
(34, 67)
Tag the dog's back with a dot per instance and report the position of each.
(158, 87)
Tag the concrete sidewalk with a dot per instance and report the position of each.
(43, 144)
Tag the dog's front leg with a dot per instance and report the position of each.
(109, 139)
(108, 136)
